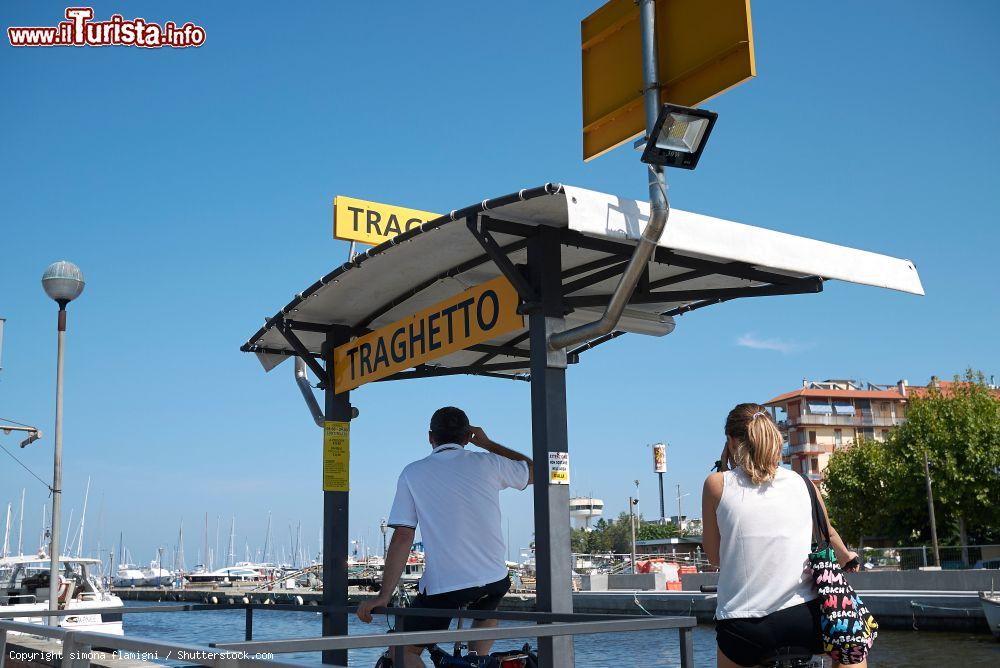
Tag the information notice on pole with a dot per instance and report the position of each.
(336, 456)
(558, 468)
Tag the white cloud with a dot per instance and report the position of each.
(751, 340)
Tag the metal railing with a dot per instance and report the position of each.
(547, 625)
(844, 420)
(953, 557)
(78, 646)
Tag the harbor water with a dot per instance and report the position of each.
(893, 649)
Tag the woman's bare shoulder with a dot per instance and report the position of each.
(714, 484)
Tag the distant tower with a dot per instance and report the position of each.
(584, 508)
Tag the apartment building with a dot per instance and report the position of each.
(822, 416)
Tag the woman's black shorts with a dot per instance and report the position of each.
(749, 640)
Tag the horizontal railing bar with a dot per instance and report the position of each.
(200, 654)
(431, 637)
(506, 615)
(43, 630)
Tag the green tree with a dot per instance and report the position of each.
(651, 531)
(860, 493)
(879, 489)
(959, 429)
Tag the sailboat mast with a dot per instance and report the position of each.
(83, 519)
(267, 538)
(6, 533)
(20, 526)
(180, 548)
(231, 557)
(205, 556)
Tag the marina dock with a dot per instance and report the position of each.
(928, 601)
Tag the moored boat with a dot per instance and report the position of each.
(24, 587)
(991, 608)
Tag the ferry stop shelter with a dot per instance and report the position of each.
(533, 263)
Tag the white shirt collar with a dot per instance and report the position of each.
(446, 446)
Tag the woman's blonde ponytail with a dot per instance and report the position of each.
(758, 449)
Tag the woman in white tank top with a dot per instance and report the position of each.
(758, 529)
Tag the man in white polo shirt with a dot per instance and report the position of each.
(453, 495)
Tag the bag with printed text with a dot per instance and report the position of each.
(849, 629)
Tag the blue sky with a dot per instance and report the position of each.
(194, 189)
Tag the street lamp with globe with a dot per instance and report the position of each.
(384, 527)
(63, 282)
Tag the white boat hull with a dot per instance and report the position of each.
(991, 608)
(98, 622)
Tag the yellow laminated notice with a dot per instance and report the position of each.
(336, 456)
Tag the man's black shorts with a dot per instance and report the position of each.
(486, 597)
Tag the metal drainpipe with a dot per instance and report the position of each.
(302, 380)
(658, 205)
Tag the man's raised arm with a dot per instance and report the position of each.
(395, 561)
(479, 438)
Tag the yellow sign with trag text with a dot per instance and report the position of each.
(371, 222)
(473, 316)
(336, 456)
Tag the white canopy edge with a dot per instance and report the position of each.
(604, 215)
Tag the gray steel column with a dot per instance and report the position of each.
(549, 434)
(57, 473)
(336, 540)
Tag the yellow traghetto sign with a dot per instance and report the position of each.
(372, 223)
(476, 315)
(336, 456)
(704, 47)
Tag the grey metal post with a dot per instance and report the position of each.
(57, 473)
(651, 98)
(549, 434)
(687, 647)
(336, 539)
(248, 624)
(631, 526)
(663, 509)
(930, 511)
(3, 648)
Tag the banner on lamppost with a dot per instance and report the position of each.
(660, 457)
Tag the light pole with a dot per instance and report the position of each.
(384, 526)
(63, 282)
(930, 511)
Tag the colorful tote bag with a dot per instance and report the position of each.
(849, 629)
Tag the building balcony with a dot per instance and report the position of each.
(808, 449)
(843, 420)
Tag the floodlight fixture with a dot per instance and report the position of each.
(679, 136)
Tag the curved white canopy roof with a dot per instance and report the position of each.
(701, 261)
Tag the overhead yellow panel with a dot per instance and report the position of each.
(704, 48)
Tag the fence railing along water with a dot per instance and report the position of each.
(77, 646)
(953, 557)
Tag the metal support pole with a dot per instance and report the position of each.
(687, 648)
(930, 511)
(549, 434)
(631, 525)
(679, 521)
(57, 472)
(336, 539)
(248, 625)
(663, 508)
